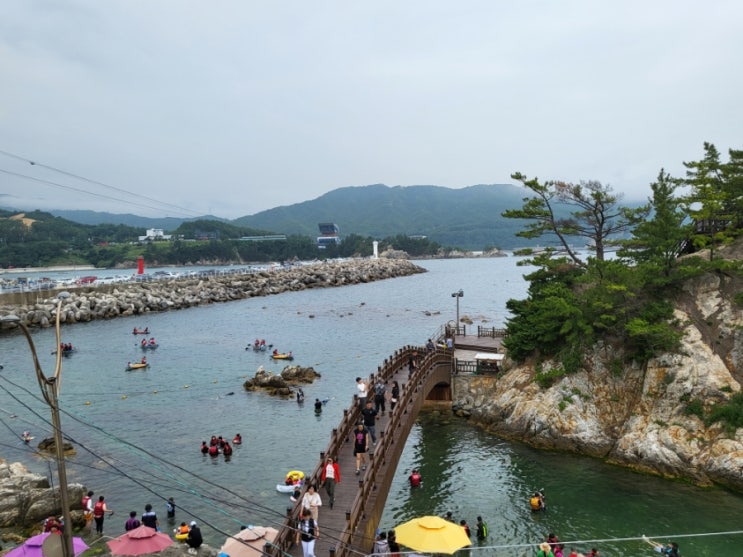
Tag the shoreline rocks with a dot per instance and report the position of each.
(638, 416)
(28, 499)
(111, 301)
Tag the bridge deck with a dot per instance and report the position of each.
(333, 522)
(348, 528)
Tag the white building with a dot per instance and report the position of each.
(154, 234)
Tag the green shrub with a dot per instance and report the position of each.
(729, 413)
(695, 407)
(549, 378)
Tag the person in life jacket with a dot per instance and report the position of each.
(481, 529)
(536, 501)
(87, 504)
(226, 450)
(213, 450)
(415, 478)
(99, 511)
(465, 527)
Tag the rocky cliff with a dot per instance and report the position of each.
(635, 416)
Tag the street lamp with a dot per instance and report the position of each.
(457, 295)
(50, 390)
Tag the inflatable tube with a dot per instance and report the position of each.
(295, 475)
(181, 537)
(283, 488)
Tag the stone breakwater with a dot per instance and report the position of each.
(88, 304)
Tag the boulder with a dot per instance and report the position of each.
(26, 498)
(279, 385)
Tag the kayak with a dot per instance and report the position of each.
(148, 346)
(137, 366)
(282, 356)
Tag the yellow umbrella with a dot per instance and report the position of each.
(432, 534)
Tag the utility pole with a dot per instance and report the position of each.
(50, 390)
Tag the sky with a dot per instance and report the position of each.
(182, 108)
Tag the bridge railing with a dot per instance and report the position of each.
(386, 438)
(342, 434)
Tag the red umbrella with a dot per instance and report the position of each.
(139, 541)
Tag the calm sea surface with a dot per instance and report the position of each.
(138, 434)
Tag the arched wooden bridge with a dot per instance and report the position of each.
(349, 527)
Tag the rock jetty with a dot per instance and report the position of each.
(108, 302)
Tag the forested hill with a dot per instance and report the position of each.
(467, 218)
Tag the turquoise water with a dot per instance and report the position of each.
(143, 429)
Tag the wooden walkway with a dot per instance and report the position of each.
(348, 528)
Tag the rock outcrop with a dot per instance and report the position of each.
(280, 385)
(635, 416)
(107, 302)
(26, 498)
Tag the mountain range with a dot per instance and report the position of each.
(468, 218)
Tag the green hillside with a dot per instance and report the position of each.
(467, 218)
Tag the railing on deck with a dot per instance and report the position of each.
(490, 332)
(342, 434)
(476, 367)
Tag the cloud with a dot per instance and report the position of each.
(236, 107)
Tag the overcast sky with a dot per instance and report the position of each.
(233, 107)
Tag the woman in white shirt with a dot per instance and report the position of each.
(312, 501)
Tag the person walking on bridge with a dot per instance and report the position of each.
(360, 446)
(307, 533)
(370, 420)
(362, 391)
(331, 475)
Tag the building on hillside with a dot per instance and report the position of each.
(329, 235)
(154, 235)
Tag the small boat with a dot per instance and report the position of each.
(285, 356)
(145, 331)
(136, 366)
(66, 351)
(148, 345)
(294, 478)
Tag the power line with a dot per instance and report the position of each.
(182, 210)
(250, 506)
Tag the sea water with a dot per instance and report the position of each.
(137, 434)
